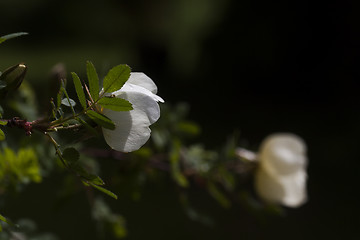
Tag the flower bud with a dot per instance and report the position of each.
(281, 175)
(12, 78)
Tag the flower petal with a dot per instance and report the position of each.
(288, 190)
(283, 153)
(140, 79)
(132, 127)
(129, 87)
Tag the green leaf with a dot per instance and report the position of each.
(2, 122)
(2, 135)
(218, 195)
(71, 154)
(93, 80)
(104, 190)
(13, 77)
(176, 173)
(88, 126)
(116, 78)
(116, 104)
(101, 119)
(12, 35)
(79, 89)
(59, 97)
(68, 102)
(4, 219)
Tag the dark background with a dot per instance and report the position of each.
(251, 66)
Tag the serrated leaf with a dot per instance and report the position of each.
(104, 190)
(71, 154)
(116, 104)
(79, 89)
(101, 120)
(93, 80)
(116, 78)
(12, 35)
(2, 135)
(68, 102)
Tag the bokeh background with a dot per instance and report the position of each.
(255, 67)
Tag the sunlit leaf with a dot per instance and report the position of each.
(116, 78)
(116, 104)
(93, 80)
(101, 119)
(12, 35)
(79, 89)
(2, 135)
(68, 102)
(104, 190)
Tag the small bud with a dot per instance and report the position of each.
(12, 78)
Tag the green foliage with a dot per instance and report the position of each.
(11, 79)
(12, 35)
(113, 222)
(175, 166)
(104, 190)
(79, 89)
(18, 168)
(116, 104)
(2, 135)
(101, 119)
(93, 80)
(71, 154)
(68, 102)
(116, 78)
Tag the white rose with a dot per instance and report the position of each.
(132, 127)
(281, 176)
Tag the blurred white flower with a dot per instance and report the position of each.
(132, 127)
(281, 176)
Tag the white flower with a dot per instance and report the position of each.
(281, 176)
(132, 127)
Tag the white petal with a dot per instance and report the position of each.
(283, 153)
(288, 190)
(129, 87)
(132, 127)
(140, 79)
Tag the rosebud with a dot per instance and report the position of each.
(11, 78)
(281, 175)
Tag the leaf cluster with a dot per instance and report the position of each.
(17, 168)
